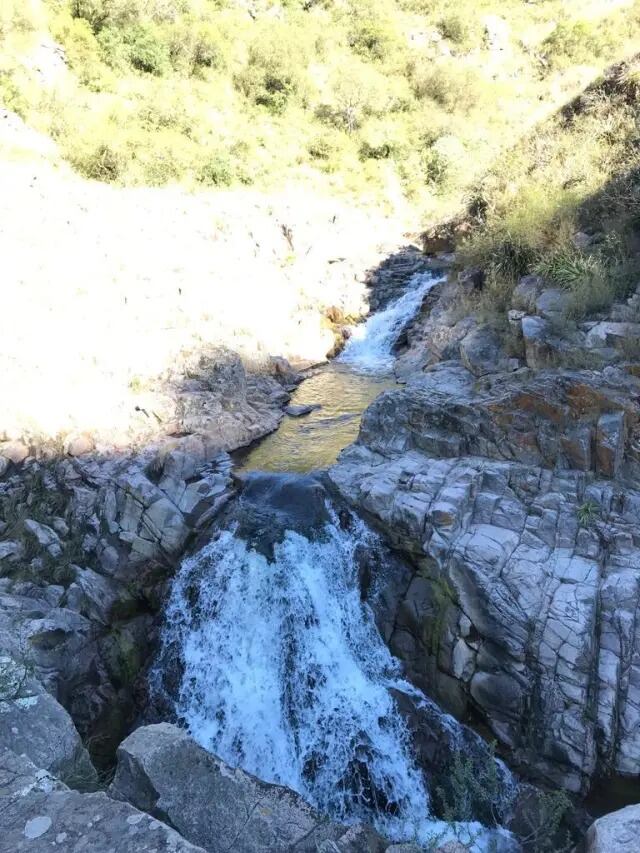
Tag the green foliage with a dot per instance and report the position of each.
(216, 171)
(588, 512)
(456, 28)
(353, 96)
(474, 790)
(275, 70)
(576, 42)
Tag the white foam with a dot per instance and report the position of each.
(370, 347)
(286, 676)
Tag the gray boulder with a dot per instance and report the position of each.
(34, 724)
(166, 773)
(40, 814)
(618, 832)
(481, 352)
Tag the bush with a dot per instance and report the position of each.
(453, 88)
(275, 70)
(83, 52)
(146, 51)
(357, 92)
(102, 162)
(193, 47)
(575, 43)
(216, 171)
(455, 28)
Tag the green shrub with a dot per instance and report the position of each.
(196, 46)
(146, 50)
(275, 70)
(83, 52)
(577, 42)
(455, 28)
(102, 162)
(216, 171)
(453, 88)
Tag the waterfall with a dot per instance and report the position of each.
(370, 347)
(285, 675)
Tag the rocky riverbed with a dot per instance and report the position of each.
(505, 485)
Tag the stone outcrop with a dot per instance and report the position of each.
(33, 724)
(162, 771)
(39, 813)
(80, 581)
(618, 831)
(514, 497)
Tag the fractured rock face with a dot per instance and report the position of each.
(523, 605)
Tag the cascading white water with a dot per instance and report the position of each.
(286, 676)
(370, 347)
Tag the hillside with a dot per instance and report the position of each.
(387, 102)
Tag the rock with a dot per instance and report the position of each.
(620, 336)
(77, 445)
(618, 831)
(46, 537)
(10, 550)
(34, 724)
(581, 240)
(553, 304)
(526, 293)
(39, 813)
(164, 772)
(523, 603)
(481, 352)
(470, 279)
(272, 504)
(541, 345)
(610, 443)
(14, 451)
(299, 411)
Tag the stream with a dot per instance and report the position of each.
(341, 391)
(282, 670)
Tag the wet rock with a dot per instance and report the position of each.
(522, 607)
(617, 831)
(39, 813)
(300, 411)
(164, 772)
(272, 504)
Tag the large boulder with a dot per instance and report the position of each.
(618, 832)
(40, 814)
(163, 771)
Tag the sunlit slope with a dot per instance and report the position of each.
(384, 100)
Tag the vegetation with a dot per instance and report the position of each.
(477, 790)
(565, 203)
(386, 99)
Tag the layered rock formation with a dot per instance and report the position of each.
(514, 492)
